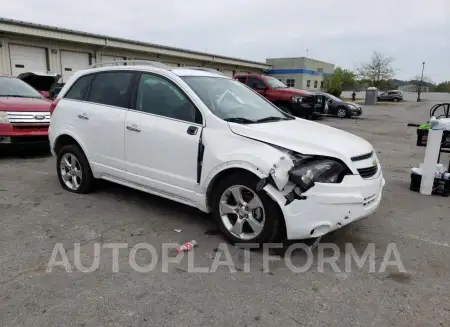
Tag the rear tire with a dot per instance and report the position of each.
(73, 169)
(225, 209)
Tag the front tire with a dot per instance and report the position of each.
(395, 100)
(73, 169)
(342, 112)
(245, 215)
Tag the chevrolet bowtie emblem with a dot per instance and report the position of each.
(374, 162)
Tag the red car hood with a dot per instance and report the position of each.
(291, 90)
(24, 104)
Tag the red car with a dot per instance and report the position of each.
(297, 102)
(24, 113)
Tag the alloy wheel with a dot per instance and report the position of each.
(341, 113)
(71, 172)
(242, 212)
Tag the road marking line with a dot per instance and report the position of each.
(425, 240)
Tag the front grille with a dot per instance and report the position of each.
(363, 156)
(368, 172)
(28, 117)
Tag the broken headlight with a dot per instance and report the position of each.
(305, 174)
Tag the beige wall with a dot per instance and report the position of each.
(96, 52)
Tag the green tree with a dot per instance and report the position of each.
(378, 69)
(443, 87)
(340, 79)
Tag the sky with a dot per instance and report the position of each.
(343, 32)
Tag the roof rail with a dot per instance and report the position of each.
(156, 64)
(211, 70)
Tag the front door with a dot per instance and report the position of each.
(162, 134)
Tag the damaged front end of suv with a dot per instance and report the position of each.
(299, 173)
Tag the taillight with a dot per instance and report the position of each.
(53, 106)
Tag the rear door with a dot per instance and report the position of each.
(100, 117)
(162, 135)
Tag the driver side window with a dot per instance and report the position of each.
(159, 96)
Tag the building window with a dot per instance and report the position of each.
(308, 83)
(315, 84)
(290, 82)
(320, 70)
(321, 84)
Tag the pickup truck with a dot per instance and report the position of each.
(296, 102)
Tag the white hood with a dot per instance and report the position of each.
(306, 137)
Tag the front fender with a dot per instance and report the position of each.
(241, 164)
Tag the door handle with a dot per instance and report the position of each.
(192, 130)
(83, 116)
(133, 128)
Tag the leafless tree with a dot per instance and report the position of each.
(416, 82)
(378, 69)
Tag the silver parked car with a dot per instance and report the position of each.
(393, 95)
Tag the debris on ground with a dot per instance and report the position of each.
(187, 246)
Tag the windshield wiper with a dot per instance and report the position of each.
(239, 120)
(271, 118)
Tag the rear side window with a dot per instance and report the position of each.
(79, 88)
(111, 88)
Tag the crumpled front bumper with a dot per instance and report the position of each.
(328, 207)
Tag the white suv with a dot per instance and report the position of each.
(200, 138)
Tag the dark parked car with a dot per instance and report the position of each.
(335, 106)
(393, 95)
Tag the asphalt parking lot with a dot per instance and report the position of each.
(36, 214)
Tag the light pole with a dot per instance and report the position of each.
(421, 81)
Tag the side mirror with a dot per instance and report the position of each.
(330, 101)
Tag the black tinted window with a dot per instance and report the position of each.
(157, 95)
(111, 88)
(79, 88)
(242, 79)
(255, 83)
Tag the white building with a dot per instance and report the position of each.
(28, 47)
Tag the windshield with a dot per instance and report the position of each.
(14, 87)
(232, 100)
(275, 83)
(332, 97)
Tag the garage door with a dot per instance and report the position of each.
(227, 72)
(71, 62)
(27, 59)
(113, 58)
